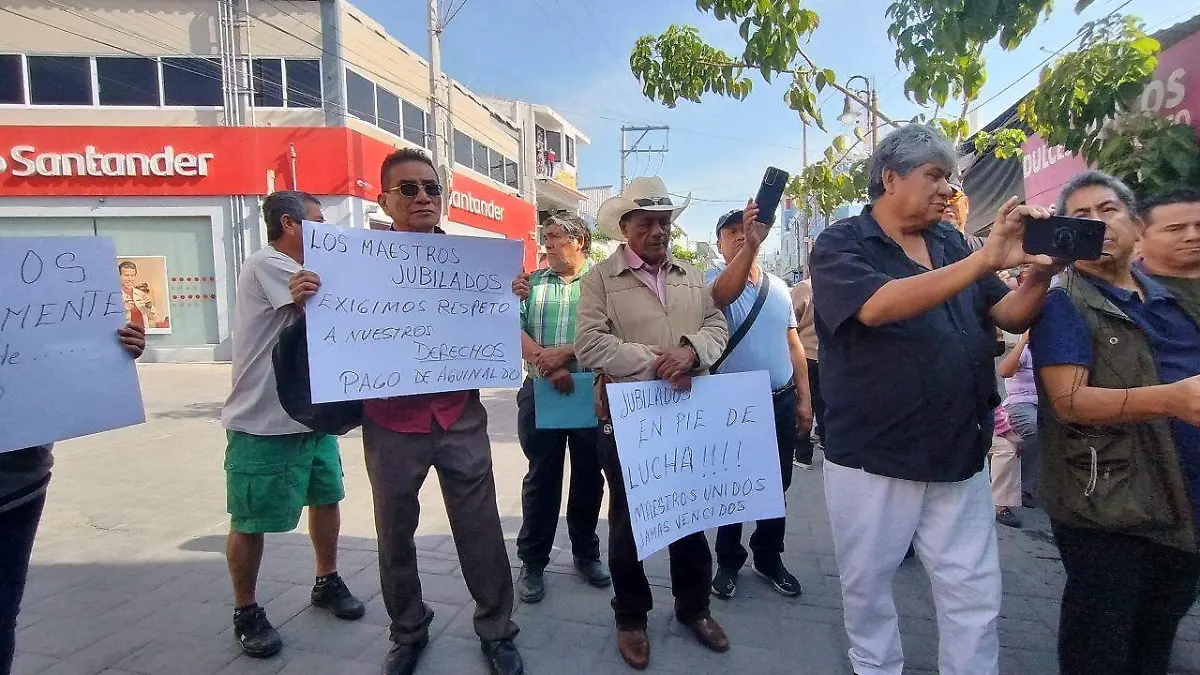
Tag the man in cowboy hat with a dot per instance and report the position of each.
(645, 316)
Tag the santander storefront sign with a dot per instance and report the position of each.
(27, 161)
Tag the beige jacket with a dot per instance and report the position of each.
(806, 318)
(619, 320)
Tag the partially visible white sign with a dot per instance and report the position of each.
(401, 313)
(63, 372)
(697, 459)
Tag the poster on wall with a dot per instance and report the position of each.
(144, 285)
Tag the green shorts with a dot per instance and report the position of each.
(270, 479)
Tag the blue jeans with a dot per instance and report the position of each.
(17, 529)
(1024, 419)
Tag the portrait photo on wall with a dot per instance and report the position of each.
(144, 285)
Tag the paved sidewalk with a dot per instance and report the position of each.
(129, 576)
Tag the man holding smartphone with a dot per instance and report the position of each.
(906, 316)
(763, 337)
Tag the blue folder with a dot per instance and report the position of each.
(554, 410)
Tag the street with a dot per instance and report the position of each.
(129, 575)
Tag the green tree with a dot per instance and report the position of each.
(1087, 102)
(940, 41)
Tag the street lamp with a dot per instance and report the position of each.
(850, 117)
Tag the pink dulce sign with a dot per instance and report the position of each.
(1174, 93)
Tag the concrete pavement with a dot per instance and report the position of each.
(129, 577)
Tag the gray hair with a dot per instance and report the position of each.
(573, 226)
(284, 203)
(1093, 178)
(905, 149)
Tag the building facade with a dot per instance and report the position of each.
(163, 124)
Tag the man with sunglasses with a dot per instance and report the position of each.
(405, 436)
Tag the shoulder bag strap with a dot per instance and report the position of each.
(741, 331)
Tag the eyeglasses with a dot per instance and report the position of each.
(661, 201)
(410, 188)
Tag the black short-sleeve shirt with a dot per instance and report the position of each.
(911, 399)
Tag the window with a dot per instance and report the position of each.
(12, 79)
(388, 106)
(60, 80)
(481, 159)
(191, 81)
(554, 144)
(360, 96)
(303, 83)
(268, 83)
(414, 124)
(570, 150)
(511, 178)
(127, 80)
(497, 171)
(462, 148)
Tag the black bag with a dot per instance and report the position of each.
(290, 358)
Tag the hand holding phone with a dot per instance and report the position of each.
(1064, 238)
(770, 191)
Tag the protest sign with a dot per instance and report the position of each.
(698, 459)
(63, 372)
(400, 313)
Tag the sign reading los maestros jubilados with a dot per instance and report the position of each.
(26, 160)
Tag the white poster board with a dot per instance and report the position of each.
(401, 313)
(698, 459)
(63, 372)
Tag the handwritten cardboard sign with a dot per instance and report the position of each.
(401, 313)
(697, 459)
(63, 372)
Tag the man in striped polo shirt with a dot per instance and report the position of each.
(549, 299)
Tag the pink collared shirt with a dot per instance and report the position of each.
(655, 278)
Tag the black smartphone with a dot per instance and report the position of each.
(769, 194)
(1064, 238)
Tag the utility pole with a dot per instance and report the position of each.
(627, 150)
(874, 117)
(438, 98)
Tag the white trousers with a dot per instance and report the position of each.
(874, 519)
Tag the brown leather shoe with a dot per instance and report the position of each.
(710, 634)
(634, 646)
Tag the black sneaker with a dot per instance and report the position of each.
(531, 585)
(331, 593)
(780, 579)
(724, 584)
(255, 634)
(503, 657)
(1005, 516)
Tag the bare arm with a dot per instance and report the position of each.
(530, 350)
(1011, 363)
(800, 378)
(1077, 403)
(901, 299)
(732, 281)
(1017, 311)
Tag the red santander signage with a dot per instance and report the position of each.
(222, 161)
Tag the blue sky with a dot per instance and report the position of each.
(573, 55)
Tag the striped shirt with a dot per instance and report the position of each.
(548, 314)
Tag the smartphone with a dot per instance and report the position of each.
(769, 194)
(1064, 238)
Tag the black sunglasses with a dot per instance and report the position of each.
(410, 188)
(661, 201)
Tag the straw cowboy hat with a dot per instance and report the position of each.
(642, 194)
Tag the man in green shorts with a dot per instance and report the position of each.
(275, 466)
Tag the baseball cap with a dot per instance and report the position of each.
(730, 219)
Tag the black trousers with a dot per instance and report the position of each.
(691, 560)
(804, 445)
(1123, 602)
(541, 491)
(767, 540)
(18, 527)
